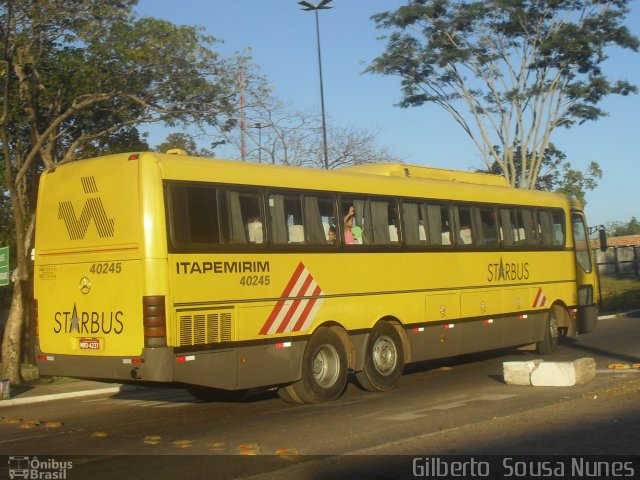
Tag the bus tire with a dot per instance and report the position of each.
(384, 359)
(324, 368)
(549, 343)
(287, 394)
(207, 394)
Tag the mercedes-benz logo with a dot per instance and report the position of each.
(85, 285)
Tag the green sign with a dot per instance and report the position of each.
(4, 266)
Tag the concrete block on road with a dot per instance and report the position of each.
(554, 374)
(519, 373)
(563, 374)
(549, 374)
(585, 370)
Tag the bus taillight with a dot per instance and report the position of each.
(154, 321)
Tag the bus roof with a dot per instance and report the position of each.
(430, 173)
(381, 178)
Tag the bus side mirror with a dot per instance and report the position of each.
(603, 239)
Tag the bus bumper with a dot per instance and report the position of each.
(154, 365)
(587, 318)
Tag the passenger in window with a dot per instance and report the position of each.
(349, 238)
(332, 238)
(465, 235)
(255, 230)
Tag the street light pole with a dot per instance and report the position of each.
(323, 5)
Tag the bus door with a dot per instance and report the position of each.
(586, 275)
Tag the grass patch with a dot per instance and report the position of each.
(620, 293)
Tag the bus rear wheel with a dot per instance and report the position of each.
(549, 343)
(384, 359)
(287, 394)
(324, 369)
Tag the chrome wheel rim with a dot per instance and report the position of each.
(326, 366)
(385, 355)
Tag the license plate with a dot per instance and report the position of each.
(89, 343)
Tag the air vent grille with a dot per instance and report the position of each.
(201, 328)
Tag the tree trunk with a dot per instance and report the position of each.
(29, 323)
(12, 339)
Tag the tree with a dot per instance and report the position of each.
(620, 229)
(78, 84)
(556, 174)
(354, 146)
(183, 141)
(509, 72)
(278, 134)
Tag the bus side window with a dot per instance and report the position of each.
(438, 224)
(319, 220)
(486, 226)
(551, 227)
(384, 221)
(328, 218)
(508, 231)
(530, 227)
(393, 222)
(559, 230)
(194, 211)
(519, 231)
(413, 223)
(285, 213)
(545, 228)
(464, 225)
(356, 230)
(245, 222)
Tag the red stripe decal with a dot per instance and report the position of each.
(307, 309)
(294, 306)
(535, 302)
(285, 294)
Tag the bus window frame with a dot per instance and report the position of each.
(338, 201)
(222, 195)
(301, 196)
(346, 199)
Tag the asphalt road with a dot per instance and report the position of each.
(457, 406)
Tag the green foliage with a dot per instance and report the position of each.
(183, 141)
(508, 71)
(556, 173)
(620, 229)
(77, 79)
(93, 76)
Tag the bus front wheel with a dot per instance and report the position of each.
(324, 369)
(551, 333)
(384, 359)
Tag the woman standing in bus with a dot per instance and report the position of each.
(349, 239)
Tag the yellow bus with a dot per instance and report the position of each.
(225, 276)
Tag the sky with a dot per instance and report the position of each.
(281, 39)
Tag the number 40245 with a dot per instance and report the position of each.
(255, 280)
(105, 268)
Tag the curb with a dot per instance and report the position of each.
(61, 396)
(616, 315)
